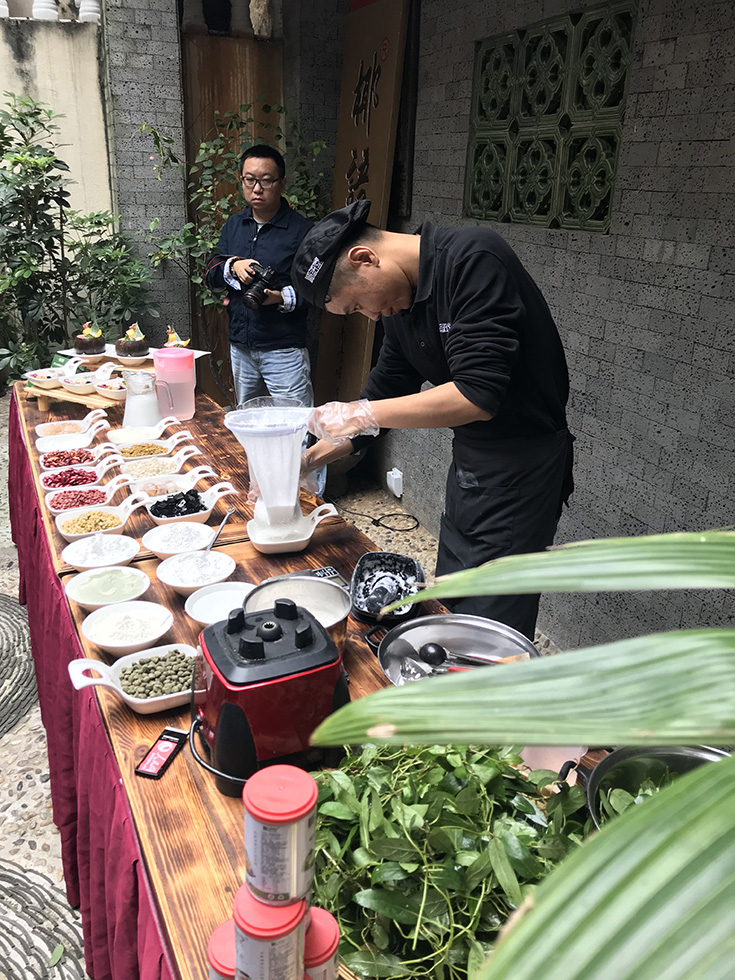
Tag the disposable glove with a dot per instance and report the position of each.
(336, 422)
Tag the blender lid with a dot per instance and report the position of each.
(268, 644)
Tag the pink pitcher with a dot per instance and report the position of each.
(175, 381)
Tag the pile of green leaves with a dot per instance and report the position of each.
(423, 853)
(616, 800)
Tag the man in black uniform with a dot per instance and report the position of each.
(460, 311)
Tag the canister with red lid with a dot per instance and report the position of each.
(269, 939)
(221, 952)
(280, 828)
(321, 955)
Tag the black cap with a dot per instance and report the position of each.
(314, 262)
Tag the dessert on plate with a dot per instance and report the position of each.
(174, 340)
(89, 341)
(132, 344)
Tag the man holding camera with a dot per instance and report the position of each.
(253, 263)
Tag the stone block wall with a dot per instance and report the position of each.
(141, 59)
(646, 312)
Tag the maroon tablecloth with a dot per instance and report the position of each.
(103, 867)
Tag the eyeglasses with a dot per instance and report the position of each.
(265, 182)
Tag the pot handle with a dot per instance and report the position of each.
(78, 675)
(368, 637)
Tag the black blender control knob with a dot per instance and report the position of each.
(235, 620)
(304, 636)
(285, 609)
(251, 648)
(269, 630)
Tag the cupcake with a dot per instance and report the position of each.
(174, 340)
(133, 344)
(89, 341)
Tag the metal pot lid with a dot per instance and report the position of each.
(460, 635)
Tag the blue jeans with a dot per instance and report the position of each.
(285, 372)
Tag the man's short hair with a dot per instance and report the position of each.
(344, 274)
(262, 151)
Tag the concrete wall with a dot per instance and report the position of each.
(647, 312)
(142, 65)
(57, 63)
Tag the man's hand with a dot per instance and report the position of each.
(273, 296)
(242, 269)
(335, 422)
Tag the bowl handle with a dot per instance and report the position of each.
(132, 503)
(97, 426)
(166, 422)
(217, 491)
(97, 413)
(72, 364)
(198, 472)
(325, 510)
(186, 453)
(78, 675)
(114, 485)
(108, 462)
(178, 437)
(104, 448)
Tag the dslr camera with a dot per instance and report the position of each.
(263, 279)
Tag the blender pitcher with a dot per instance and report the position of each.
(141, 403)
(175, 381)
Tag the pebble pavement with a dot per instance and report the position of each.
(32, 904)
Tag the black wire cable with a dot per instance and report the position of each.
(383, 520)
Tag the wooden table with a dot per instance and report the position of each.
(191, 836)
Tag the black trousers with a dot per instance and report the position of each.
(503, 500)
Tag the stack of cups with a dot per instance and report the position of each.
(273, 934)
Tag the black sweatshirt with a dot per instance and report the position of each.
(478, 319)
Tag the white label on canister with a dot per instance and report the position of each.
(327, 970)
(276, 959)
(279, 858)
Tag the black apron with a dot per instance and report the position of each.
(503, 499)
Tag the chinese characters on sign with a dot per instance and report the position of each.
(366, 99)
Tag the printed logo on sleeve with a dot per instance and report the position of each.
(444, 327)
(313, 271)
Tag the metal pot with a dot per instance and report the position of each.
(460, 635)
(628, 767)
(325, 600)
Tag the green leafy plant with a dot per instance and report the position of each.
(58, 268)
(423, 853)
(652, 896)
(213, 194)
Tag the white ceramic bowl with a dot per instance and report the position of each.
(80, 425)
(193, 570)
(97, 453)
(109, 490)
(110, 678)
(99, 470)
(130, 362)
(98, 550)
(166, 484)
(166, 446)
(178, 459)
(106, 586)
(209, 499)
(214, 602)
(131, 434)
(43, 378)
(71, 440)
(80, 384)
(177, 539)
(112, 389)
(122, 512)
(127, 626)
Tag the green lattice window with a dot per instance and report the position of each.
(547, 114)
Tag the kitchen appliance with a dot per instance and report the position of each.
(264, 681)
(175, 381)
(271, 431)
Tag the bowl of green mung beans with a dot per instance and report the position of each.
(150, 680)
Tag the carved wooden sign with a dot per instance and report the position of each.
(371, 82)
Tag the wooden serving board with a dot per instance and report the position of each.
(48, 396)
